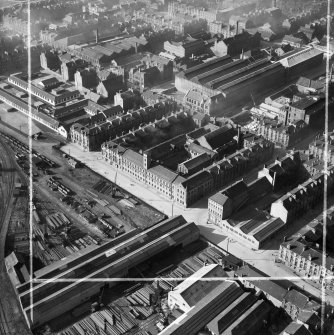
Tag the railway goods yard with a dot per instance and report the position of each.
(10, 316)
(68, 217)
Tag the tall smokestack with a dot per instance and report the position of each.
(97, 36)
(237, 31)
(136, 47)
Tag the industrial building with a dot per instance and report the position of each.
(201, 314)
(235, 80)
(111, 260)
(253, 233)
(103, 53)
(299, 61)
(23, 107)
(222, 306)
(47, 89)
(194, 288)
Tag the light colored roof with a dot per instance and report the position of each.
(300, 57)
(194, 289)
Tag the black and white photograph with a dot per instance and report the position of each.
(166, 167)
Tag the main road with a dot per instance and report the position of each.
(11, 319)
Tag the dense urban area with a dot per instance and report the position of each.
(166, 167)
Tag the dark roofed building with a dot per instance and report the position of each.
(109, 87)
(251, 322)
(283, 171)
(194, 164)
(217, 138)
(232, 313)
(224, 203)
(236, 45)
(309, 109)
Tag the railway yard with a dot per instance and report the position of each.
(11, 319)
(73, 208)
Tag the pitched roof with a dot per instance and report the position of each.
(163, 173)
(197, 179)
(199, 160)
(271, 287)
(226, 317)
(293, 39)
(300, 57)
(133, 156)
(219, 198)
(218, 137)
(295, 328)
(194, 289)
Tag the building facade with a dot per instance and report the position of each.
(307, 261)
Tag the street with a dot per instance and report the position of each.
(261, 259)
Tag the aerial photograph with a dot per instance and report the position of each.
(166, 167)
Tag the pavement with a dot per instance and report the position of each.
(261, 259)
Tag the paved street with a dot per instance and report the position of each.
(262, 259)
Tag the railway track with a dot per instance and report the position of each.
(11, 319)
(6, 187)
(4, 329)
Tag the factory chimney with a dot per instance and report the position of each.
(237, 30)
(97, 36)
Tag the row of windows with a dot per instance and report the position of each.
(27, 113)
(237, 232)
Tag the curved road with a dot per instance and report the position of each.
(11, 318)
